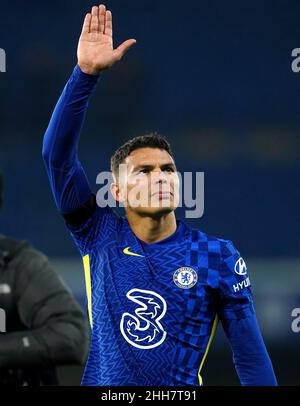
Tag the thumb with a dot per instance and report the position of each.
(123, 48)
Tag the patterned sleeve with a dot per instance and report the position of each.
(92, 228)
(235, 299)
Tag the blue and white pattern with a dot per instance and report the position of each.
(146, 330)
(143, 328)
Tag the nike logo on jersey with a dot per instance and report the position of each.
(127, 252)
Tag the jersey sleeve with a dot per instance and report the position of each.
(73, 196)
(238, 318)
(237, 315)
(69, 184)
(235, 300)
(91, 224)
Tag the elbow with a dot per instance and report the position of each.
(46, 155)
(46, 150)
(49, 148)
(49, 157)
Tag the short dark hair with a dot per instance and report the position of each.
(152, 140)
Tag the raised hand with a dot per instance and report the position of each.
(95, 48)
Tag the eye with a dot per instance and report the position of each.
(145, 170)
(169, 169)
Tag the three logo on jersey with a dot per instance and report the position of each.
(143, 329)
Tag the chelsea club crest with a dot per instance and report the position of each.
(185, 277)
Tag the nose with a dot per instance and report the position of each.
(159, 176)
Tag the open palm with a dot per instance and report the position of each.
(95, 48)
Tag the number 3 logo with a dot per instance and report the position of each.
(143, 328)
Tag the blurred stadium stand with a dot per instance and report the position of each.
(213, 76)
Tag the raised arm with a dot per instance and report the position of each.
(95, 53)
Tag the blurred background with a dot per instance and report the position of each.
(214, 77)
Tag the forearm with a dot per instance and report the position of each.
(250, 356)
(62, 135)
(67, 178)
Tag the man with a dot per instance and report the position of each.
(155, 287)
(41, 324)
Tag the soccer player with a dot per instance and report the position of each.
(155, 287)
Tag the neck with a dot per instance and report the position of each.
(152, 229)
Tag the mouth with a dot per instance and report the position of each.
(162, 195)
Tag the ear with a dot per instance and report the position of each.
(116, 191)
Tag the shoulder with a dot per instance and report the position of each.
(228, 264)
(80, 223)
(222, 254)
(214, 244)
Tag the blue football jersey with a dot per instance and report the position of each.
(154, 308)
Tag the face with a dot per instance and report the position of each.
(148, 182)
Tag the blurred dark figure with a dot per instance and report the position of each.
(44, 326)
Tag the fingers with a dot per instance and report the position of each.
(98, 21)
(108, 23)
(86, 24)
(95, 20)
(123, 48)
(102, 15)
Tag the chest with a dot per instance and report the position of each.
(164, 280)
